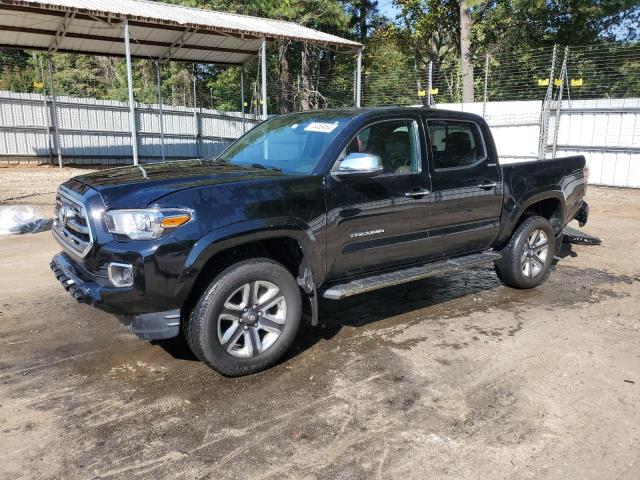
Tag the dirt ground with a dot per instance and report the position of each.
(33, 185)
(452, 377)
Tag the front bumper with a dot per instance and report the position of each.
(83, 291)
(92, 290)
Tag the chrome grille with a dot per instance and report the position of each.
(71, 223)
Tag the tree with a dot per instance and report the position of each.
(19, 71)
(364, 17)
(455, 35)
(524, 23)
(429, 29)
(466, 65)
(387, 67)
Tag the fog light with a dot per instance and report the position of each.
(120, 274)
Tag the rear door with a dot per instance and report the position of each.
(380, 222)
(466, 187)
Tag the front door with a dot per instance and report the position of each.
(380, 222)
(466, 188)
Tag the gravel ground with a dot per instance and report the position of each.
(33, 185)
(451, 377)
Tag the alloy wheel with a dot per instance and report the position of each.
(252, 319)
(534, 254)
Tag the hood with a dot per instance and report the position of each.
(137, 186)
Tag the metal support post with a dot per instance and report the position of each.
(161, 114)
(486, 84)
(556, 124)
(263, 77)
(47, 110)
(430, 85)
(132, 106)
(359, 79)
(544, 115)
(196, 126)
(242, 98)
(54, 112)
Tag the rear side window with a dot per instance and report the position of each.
(455, 144)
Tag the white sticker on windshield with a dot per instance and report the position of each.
(321, 127)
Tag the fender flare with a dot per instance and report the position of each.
(526, 202)
(229, 236)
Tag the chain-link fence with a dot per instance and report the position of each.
(593, 71)
(185, 110)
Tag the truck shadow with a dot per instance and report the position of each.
(369, 308)
(401, 303)
(432, 297)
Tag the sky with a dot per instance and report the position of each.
(387, 8)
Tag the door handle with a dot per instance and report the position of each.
(417, 193)
(487, 186)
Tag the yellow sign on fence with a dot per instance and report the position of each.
(422, 93)
(543, 82)
(576, 82)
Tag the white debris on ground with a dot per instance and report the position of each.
(15, 219)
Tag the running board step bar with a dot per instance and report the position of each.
(397, 277)
(578, 237)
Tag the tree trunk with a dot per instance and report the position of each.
(465, 52)
(305, 88)
(284, 79)
(363, 20)
(416, 68)
(325, 72)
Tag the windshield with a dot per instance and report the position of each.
(291, 143)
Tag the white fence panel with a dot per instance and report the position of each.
(97, 131)
(605, 131)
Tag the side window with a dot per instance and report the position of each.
(395, 142)
(455, 143)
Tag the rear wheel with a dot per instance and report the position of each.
(526, 259)
(246, 319)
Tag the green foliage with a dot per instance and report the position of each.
(387, 66)
(516, 34)
(224, 92)
(21, 72)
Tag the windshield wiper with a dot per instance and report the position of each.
(265, 167)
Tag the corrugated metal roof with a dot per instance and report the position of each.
(94, 26)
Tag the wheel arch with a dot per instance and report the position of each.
(292, 246)
(551, 207)
(549, 204)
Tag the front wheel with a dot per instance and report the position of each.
(246, 319)
(526, 259)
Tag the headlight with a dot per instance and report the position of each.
(146, 224)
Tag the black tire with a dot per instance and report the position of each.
(510, 267)
(202, 326)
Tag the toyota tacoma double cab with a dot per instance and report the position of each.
(234, 252)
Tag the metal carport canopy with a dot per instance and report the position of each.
(160, 31)
(157, 30)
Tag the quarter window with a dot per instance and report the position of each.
(455, 143)
(395, 142)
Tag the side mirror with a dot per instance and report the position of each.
(358, 165)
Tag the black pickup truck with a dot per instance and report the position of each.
(234, 252)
